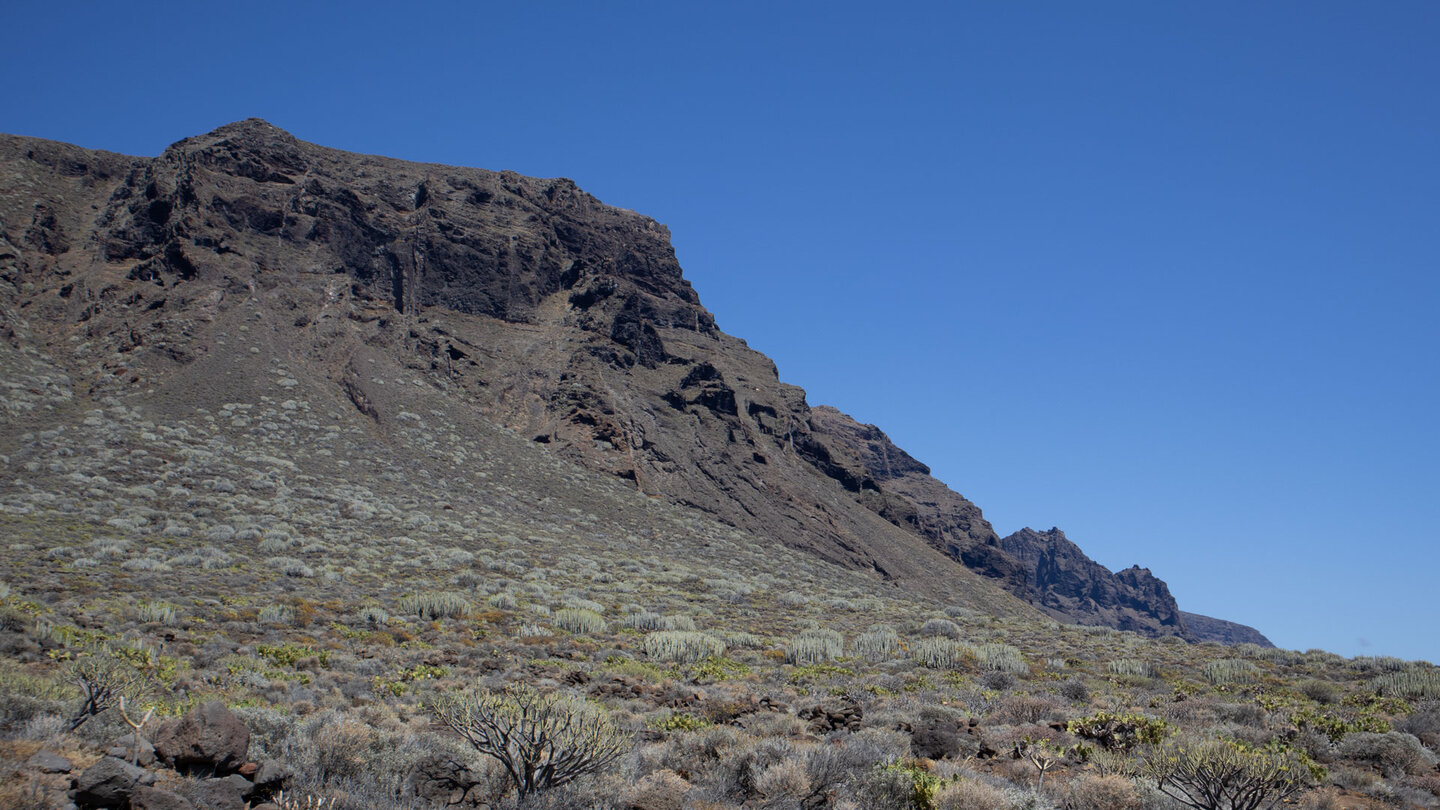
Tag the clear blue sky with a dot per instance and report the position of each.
(1165, 275)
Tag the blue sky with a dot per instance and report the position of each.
(1161, 274)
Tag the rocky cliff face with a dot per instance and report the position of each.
(1074, 587)
(1207, 629)
(553, 315)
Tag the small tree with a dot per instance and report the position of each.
(543, 741)
(1226, 775)
(103, 682)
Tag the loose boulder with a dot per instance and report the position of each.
(139, 752)
(49, 762)
(210, 738)
(109, 783)
(220, 794)
(153, 798)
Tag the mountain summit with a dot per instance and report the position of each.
(526, 302)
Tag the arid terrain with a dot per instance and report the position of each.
(299, 443)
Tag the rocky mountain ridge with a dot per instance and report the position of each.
(555, 316)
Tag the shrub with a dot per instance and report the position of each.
(1002, 658)
(158, 612)
(291, 567)
(941, 627)
(971, 794)
(901, 786)
(372, 616)
(1229, 670)
(1394, 753)
(942, 653)
(1074, 690)
(1091, 792)
(502, 601)
(1410, 683)
(1320, 691)
(104, 682)
(879, 644)
(543, 741)
(1226, 775)
(660, 790)
(579, 620)
(1131, 667)
(682, 646)
(276, 614)
(645, 620)
(433, 605)
(814, 646)
(1119, 732)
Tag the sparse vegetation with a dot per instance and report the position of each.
(542, 741)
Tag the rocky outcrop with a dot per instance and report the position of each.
(1073, 587)
(1207, 629)
(529, 301)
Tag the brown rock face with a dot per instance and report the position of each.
(1074, 587)
(1207, 629)
(524, 300)
(210, 738)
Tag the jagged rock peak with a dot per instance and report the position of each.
(1075, 588)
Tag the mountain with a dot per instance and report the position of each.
(1207, 629)
(183, 283)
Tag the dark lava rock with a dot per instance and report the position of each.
(225, 793)
(272, 776)
(153, 798)
(49, 762)
(209, 738)
(109, 783)
(935, 736)
(126, 748)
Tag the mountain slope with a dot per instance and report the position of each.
(176, 282)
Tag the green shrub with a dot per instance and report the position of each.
(1131, 667)
(579, 620)
(1222, 774)
(680, 722)
(743, 641)
(431, 606)
(276, 614)
(1394, 753)
(941, 627)
(644, 620)
(682, 646)
(1229, 670)
(159, 612)
(942, 653)
(1119, 732)
(1410, 683)
(543, 741)
(879, 644)
(814, 646)
(1002, 658)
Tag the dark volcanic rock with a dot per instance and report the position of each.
(209, 738)
(109, 783)
(1076, 588)
(1208, 629)
(49, 762)
(153, 798)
